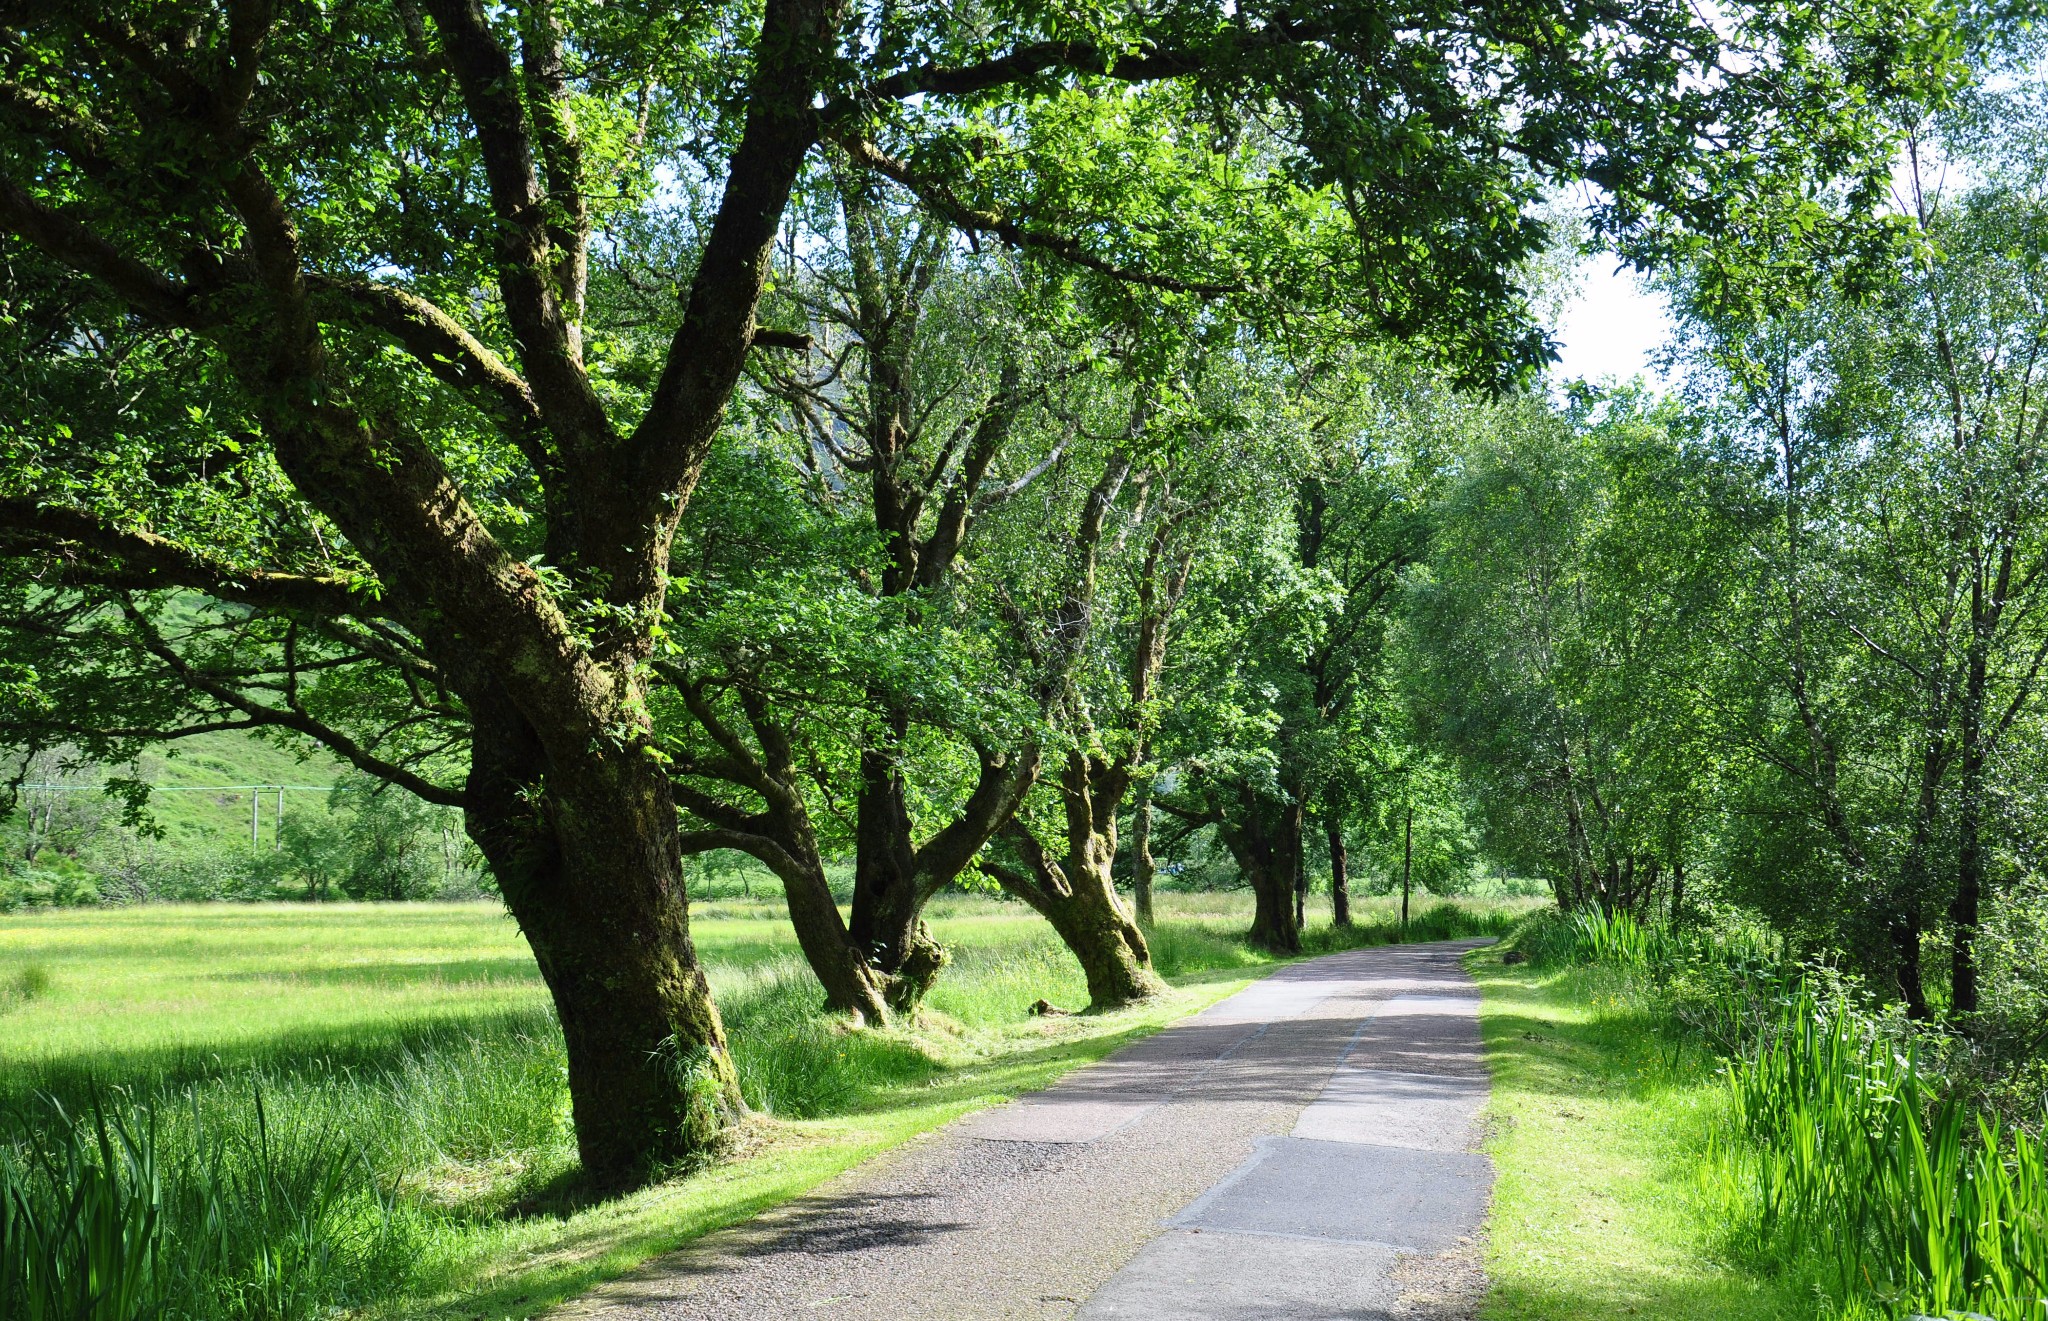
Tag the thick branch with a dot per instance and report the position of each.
(146, 561)
(150, 292)
(1149, 64)
(444, 347)
(547, 341)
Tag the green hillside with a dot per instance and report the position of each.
(204, 783)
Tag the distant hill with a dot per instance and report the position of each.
(227, 763)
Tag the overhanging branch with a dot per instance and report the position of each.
(945, 202)
(142, 561)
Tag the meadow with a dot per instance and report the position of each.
(365, 1105)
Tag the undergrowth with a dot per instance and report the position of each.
(1852, 1157)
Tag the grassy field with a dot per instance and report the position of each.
(418, 1037)
(1601, 1121)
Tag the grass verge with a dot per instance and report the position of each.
(1601, 1120)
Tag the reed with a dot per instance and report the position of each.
(1855, 1164)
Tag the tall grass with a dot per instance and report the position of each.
(1855, 1164)
(1599, 936)
(1850, 1161)
(99, 1221)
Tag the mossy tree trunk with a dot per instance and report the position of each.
(1340, 871)
(589, 865)
(1075, 891)
(1143, 865)
(1264, 838)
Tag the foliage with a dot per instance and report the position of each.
(1859, 1163)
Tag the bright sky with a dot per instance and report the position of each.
(1611, 328)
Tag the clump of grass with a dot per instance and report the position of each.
(797, 1063)
(24, 985)
(102, 1220)
(1852, 1165)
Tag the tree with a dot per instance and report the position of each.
(313, 326)
(1887, 640)
(1294, 690)
(1557, 633)
(1116, 607)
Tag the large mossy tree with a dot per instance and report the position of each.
(311, 314)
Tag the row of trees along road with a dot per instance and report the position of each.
(790, 426)
(1783, 635)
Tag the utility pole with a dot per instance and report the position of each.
(255, 817)
(277, 830)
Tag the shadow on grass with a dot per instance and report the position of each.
(439, 972)
(146, 1074)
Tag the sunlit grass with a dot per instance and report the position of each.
(1600, 1124)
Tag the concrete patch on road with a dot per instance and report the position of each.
(1275, 998)
(1424, 1111)
(1423, 1201)
(1052, 1118)
(1204, 1275)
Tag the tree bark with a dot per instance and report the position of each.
(590, 867)
(1300, 889)
(1077, 895)
(1407, 866)
(1905, 933)
(1142, 863)
(1264, 838)
(1340, 872)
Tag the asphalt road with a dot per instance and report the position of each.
(1303, 1150)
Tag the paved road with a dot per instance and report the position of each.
(1303, 1149)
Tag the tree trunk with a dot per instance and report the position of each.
(1265, 841)
(1407, 866)
(1081, 905)
(1300, 873)
(1142, 865)
(1964, 909)
(1110, 947)
(589, 863)
(851, 986)
(1077, 893)
(886, 907)
(1340, 873)
(1906, 950)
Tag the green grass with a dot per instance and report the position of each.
(1601, 1123)
(420, 1033)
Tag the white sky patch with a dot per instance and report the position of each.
(1612, 327)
